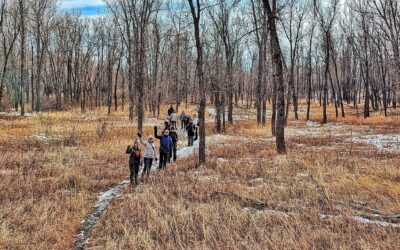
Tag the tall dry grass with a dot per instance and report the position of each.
(52, 168)
(247, 197)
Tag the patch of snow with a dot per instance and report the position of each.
(6, 172)
(212, 111)
(15, 114)
(301, 176)
(205, 178)
(362, 220)
(374, 222)
(221, 160)
(186, 151)
(313, 124)
(90, 118)
(257, 180)
(266, 211)
(385, 143)
(45, 139)
(102, 203)
(120, 125)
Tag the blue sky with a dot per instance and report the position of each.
(86, 7)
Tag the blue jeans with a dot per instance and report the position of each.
(147, 166)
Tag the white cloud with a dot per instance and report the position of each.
(77, 4)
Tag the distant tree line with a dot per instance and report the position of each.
(140, 54)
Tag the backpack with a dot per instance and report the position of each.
(135, 153)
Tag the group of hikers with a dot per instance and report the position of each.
(183, 118)
(168, 145)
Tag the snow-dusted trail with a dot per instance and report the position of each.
(99, 208)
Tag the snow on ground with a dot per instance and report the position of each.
(14, 114)
(46, 139)
(362, 220)
(358, 134)
(221, 160)
(212, 111)
(101, 205)
(257, 180)
(313, 124)
(286, 214)
(385, 143)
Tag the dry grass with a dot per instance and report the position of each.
(245, 197)
(52, 167)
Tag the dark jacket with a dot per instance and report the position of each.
(165, 142)
(174, 137)
(133, 157)
(167, 127)
(170, 111)
(182, 117)
(191, 128)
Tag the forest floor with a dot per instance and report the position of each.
(338, 186)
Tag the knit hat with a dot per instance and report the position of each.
(166, 132)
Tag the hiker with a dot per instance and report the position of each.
(187, 120)
(134, 162)
(166, 126)
(165, 146)
(149, 154)
(182, 118)
(190, 132)
(170, 110)
(173, 118)
(174, 137)
(195, 120)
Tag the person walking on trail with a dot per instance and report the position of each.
(174, 137)
(170, 110)
(149, 154)
(165, 147)
(195, 121)
(190, 132)
(187, 120)
(173, 118)
(134, 162)
(182, 118)
(167, 126)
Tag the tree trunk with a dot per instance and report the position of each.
(22, 66)
(276, 55)
(196, 20)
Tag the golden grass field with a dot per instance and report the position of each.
(54, 165)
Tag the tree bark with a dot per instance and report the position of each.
(276, 54)
(199, 48)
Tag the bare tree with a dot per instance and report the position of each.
(387, 13)
(9, 30)
(292, 22)
(222, 19)
(276, 54)
(326, 17)
(195, 9)
(42, 11)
